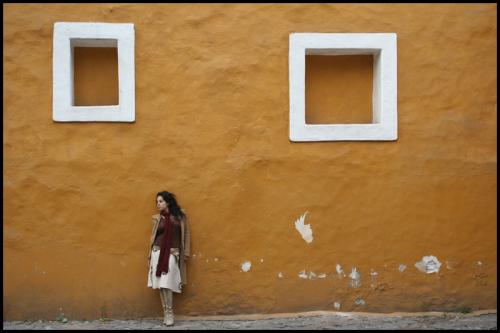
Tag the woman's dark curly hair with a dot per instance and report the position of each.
(173, 206)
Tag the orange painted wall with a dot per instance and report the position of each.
(211, 126)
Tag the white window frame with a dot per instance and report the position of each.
(67, 35)
(383, 47)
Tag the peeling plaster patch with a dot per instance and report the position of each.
(311, 276)
(216, 259)
(280, 275)
(336, 306)
(359, 301)
(373, 275)
(322, 276)
(479, 263)
(261, 260)
(245, 267)
(402, 267)
(304, 229)
(340, 272)
(355, 279)
(428, 264)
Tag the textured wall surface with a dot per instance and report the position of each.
(212, 126)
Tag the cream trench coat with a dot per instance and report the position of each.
(185, 251)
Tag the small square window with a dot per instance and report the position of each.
(382, 47)
(67, 37)
(95, 75)
(339, 89)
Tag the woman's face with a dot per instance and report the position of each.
(161, 204)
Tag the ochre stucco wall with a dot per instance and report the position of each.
(211, 126)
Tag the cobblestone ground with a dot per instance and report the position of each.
(315, 321)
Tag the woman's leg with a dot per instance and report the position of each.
(168, 318)
(169, 307)
(163, 304)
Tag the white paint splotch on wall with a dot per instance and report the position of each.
(303, 275)
(280, 275)
(304, 229)
(373, 276)
(359, 301)
(336, 305)
(428, 264)
(311, 276)
(402, 267)
(340, 271)
(355, 279)
(245, 267)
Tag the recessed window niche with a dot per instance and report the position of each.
(93, 72)
(342, 104)
(339, 89)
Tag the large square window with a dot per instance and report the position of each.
(67, 37)
(382, 47)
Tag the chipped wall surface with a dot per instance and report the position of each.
(212, 108)
(304, 230)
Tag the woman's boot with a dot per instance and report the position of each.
(164, 304)
(169, 313)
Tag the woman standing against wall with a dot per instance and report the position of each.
(169, 248)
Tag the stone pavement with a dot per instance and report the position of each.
(485, 319)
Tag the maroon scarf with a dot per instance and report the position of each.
(166, 244)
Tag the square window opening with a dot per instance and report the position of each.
(95, 72)
(339, 89)
(353, 122)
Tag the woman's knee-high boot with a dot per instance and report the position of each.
(163, 304)
(169, 306)
(166, 320)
